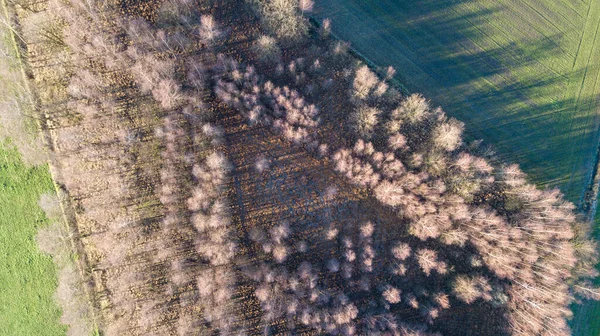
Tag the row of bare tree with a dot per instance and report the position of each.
(155, 227)
(167, 65)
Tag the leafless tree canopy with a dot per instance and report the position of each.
(284, 17)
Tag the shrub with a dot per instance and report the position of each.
(70, 293)
(267, 49)
(284, 18)
(73, 301)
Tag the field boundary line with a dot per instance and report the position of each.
(65, 204)
(313, 20)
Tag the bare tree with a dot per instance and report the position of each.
(401, 251)
(284, 18)
(391, 294)
(363, 121)
(325, 28)
(427, 260)
(208, 30)
(448, 135)
(267, 49)
(469, 289)
(364, 81)
(306, 5)
(167, 92)
(333, 265)
(412, 109)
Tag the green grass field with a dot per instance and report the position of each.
(524, 76)
(27, 278)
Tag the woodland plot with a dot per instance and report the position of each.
(322, 213)
(523, 77)
(419, 167)
(297, 192)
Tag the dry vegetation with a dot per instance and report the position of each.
(228, 174)
(18, 119)
(72, 293)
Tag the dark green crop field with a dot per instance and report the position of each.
(524, 76)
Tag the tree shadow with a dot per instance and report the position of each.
(296, 188)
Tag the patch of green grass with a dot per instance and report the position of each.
(27, 277)
(522, 75)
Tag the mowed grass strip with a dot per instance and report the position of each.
(509, 69)
(27, 277)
